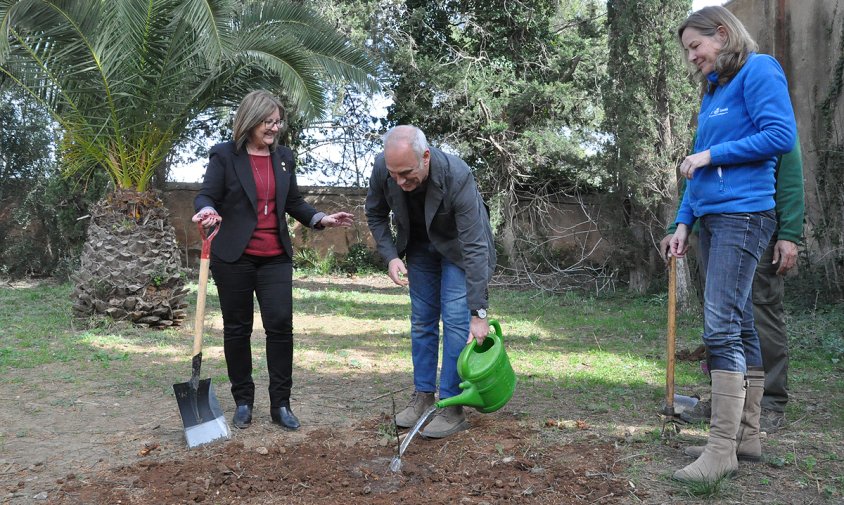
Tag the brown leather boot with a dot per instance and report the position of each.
(418, 404)
(719, 456)
(447, 421)
(748, 444)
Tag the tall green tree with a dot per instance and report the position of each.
(340, 149)
(39, 231)
(27, 160)
(649, 103)
(124, 78)
(514, 88)
(26, 141)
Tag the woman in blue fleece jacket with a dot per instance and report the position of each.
(745, 122)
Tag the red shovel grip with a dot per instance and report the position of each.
(207, 238)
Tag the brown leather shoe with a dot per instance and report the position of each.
(447, 421)
(418, 404)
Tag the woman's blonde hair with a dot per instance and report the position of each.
(253, 109)
(736, 49)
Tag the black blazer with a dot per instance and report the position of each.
(229, 187)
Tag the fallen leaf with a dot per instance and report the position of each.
(148, 448)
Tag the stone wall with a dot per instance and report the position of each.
(567, 227)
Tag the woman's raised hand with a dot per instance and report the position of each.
(343, 219)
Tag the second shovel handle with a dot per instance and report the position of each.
(671, 335)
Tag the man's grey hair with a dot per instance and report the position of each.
(410, 135)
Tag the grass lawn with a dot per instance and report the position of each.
(581, 361)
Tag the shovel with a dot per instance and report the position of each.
(674, 404)
(201, 413)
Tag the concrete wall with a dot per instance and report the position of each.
(805, 36)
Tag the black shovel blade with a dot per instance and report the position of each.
(202, 415)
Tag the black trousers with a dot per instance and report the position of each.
(271, 281)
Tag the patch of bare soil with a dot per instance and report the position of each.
(494, 462)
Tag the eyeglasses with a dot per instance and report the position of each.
(269, 123)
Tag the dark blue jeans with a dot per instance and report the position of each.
(271, 281)
(730, 248)
(437, 289)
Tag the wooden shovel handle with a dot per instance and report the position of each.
(204, 267)
(671, 336)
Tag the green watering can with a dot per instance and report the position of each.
(488, 379)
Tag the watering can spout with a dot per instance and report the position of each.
(470, 397)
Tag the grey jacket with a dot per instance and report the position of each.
(455, 216)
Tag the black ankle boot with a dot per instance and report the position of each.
(285, 417)
(242, 416)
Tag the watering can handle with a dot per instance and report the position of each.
(496, 327)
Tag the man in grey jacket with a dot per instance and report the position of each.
(442, 231)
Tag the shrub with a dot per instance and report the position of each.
(308, 259)
(45, 230)
(360, 259)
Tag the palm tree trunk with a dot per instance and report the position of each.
(130, 263)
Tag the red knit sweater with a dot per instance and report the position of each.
(264, 241)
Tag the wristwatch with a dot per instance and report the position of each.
(481, 313)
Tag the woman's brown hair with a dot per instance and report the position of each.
(253, 109)
(737, 46)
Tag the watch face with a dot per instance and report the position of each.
(482, 313)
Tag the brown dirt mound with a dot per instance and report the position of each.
(497, 461)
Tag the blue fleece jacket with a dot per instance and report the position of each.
(745, 124)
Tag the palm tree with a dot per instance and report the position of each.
(123, 79)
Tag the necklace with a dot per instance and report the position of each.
(261, 180)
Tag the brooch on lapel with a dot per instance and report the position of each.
(283, 169)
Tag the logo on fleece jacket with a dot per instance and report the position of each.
(719, 111)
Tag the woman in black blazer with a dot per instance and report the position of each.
(248, 188)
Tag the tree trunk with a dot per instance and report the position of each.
(641, 268)
(687, 301)
(130, 264)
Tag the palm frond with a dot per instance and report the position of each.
(332, 52)
(125, 78)
(211, 20)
